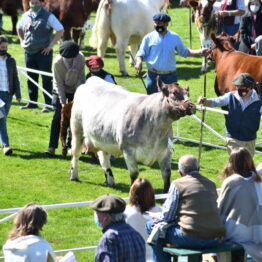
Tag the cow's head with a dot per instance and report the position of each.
(221, 43)
(177, 99)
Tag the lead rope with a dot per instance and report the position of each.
(202, 119)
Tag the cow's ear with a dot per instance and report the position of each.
(213, 36)
(193, 4)
(162, 86)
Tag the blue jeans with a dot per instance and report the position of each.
(229, 29)
(175, 236)
(151, 85)
(40, 62)
(5, 96)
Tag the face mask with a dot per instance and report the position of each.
(35, 8)
(3, 52)
(96, 220)
(254, 8)
(159, 28)
(242, 92)
(70, 62)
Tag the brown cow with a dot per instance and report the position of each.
(230, 63)
(11, 7)
(71, 13)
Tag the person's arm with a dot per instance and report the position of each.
(169, 210)
(59, 83)
(215, 102)
(58, 27)
(197, 52)
(139, 63)
(245, 35)
(16, 83)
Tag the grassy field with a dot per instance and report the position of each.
(29, 175)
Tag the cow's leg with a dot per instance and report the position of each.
(133, 50)
(120, 52)
(76, 35)
(165, 166)
(101, 45)
(104, 159)
(67, 33)
(131, 165)
(77, 143)
(14, 22)
(82, 41)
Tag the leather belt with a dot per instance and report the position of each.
(161, 72)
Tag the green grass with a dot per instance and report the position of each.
(31, 176)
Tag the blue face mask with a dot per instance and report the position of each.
(96, 220)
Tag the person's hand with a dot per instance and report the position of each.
(138, 67)
(58, 258)
(201, 100)
(253, 46)
(206, 51)
(46, 50)
(18, 100)
(221, 14)
(63, 105)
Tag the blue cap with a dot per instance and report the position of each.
(161, 17)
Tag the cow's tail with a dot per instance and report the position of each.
(102, 22)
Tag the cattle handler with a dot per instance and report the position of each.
(158, 50)
(244, 112)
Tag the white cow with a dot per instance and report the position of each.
(126, 22)
(111, 120)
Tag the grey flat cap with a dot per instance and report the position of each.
(244, 79)
(109, 203)
(161, 17)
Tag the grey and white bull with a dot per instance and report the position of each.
(108, 119)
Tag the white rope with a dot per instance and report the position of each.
(37, 103)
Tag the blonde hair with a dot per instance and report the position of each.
(29, 221)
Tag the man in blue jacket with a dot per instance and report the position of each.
(244, 112)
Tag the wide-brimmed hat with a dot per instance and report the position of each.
(109, 203)
(69, 49)
(244, 79)
(95, 62)
(161, 17)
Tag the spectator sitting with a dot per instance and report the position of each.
(25, 243)
(69, 73)
(141, 200)
(190, 217)
(240, 203)
(251, 29)
(95, 65)
(120, 242)
(8, 87)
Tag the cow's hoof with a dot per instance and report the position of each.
(75, 179)
(64, 152)
(123, 73)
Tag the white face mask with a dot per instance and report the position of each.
(254, 8)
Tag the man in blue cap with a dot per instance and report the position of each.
(244, 113)
(158, 50)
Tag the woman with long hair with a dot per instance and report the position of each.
(240, 202)
(24, 243)
(141, 201)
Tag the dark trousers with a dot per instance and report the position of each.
(55, 126)
(40, 62)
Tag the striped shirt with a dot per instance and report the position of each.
(120, 243)
(4, 83)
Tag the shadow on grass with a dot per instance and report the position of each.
(26, 122)
(190, 144)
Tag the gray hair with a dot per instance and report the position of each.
(185, 167)
(117, 217)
